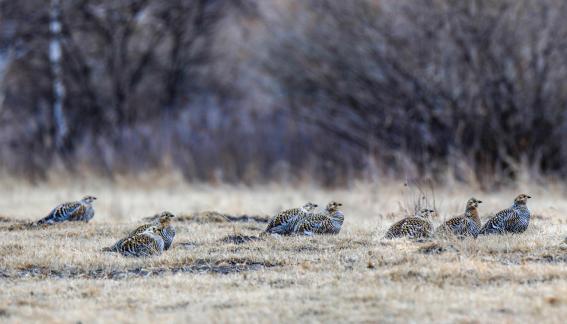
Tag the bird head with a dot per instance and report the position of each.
(333, 206)
(473, 203)
(522, 199)
(88, 199)
(165, 217)
(309, 206)
(426, 213)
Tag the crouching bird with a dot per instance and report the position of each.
(144, 244)
(418, 226)
(81, 210)
(328, 222)
(284, 222)
(163, 227)
(511, 220)
(467, 224)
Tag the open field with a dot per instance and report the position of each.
(219, 271)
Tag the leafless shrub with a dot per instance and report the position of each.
(432, 79)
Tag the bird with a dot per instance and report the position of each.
(467, 224)
(511, 220)
(418, 226)
(164, 227)
(71, 211)
(328, 222)
(284, 222)
(147, 243)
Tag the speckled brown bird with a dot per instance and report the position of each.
(464, 225)
(284, 222)
(418, 226)
(328, 222)
(164, 228)
(71, 212)
(144, 244)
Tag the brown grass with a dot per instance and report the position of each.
(219, 270)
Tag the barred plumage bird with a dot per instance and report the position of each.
(464, 225)
(144, 244)
(329, 222)
(284, 222)
(512, 220)
(418, 226)
(71, 211)
(164, 228)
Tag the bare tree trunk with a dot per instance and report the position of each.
(4, 59)
(55, 59)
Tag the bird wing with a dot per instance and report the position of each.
(61, 213)
(454, 225)
(77, 213)
(138, 245)
(396, 229)
(311, 223)
(284, 219)
(498, 221)
(416, 227)
(139, 229)
(512, 221)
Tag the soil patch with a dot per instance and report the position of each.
(197, 266)
(216, 217)
(239, 239)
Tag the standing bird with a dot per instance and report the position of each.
(284, 222)
(147, 243)
(465, 225)
(329, 222)
(418, 226)
(512, 220)
(164, 228)
(72, 211)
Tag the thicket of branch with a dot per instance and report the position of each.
(435, 81)
(281, 90)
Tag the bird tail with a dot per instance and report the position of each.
(264, 234)
(44, 221)
(110, 249)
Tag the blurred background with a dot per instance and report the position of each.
(259, 91)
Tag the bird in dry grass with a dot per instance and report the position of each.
(284, 222)
(147, 243)
(71, 211)
(418, 226)
(164, 228)
(512, 220)
(328, 222)
(464, 225)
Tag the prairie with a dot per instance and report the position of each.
(219, 270)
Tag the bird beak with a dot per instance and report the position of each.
(529, 196)
(479, 201)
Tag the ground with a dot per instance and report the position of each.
(220, 270)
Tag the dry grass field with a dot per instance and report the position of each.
(218, 270)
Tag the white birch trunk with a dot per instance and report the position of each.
(55, 59)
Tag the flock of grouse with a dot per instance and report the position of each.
(511, 220)
(157, 236)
